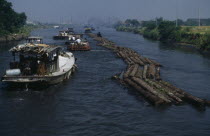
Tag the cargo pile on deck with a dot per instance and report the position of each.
(143, 74)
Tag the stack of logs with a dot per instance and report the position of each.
(143, 74)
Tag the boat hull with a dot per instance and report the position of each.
(78, 47)
(60, 37)
(39, 79)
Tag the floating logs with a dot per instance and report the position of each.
(151, 71)
(143, 74)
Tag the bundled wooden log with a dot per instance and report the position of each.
(145, 72)
(127, 73)
(139, 73)
(145, 86)
(168, 92)
(151, 71)
(147, 81)
(157, 74)
(134, 71)
(143, 60)
(139, 61)
(152, 98)
(187, 97)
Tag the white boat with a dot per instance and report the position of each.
(56, 27)
(39, 63)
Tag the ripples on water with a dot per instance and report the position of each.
(90, 103)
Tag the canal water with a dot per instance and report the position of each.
(91, 104)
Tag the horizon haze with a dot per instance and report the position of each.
(80, 11)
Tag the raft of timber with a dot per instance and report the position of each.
(143, 74)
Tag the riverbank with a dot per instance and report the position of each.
(143, 74)
(197, 37)
(23, 33)
(12, 37)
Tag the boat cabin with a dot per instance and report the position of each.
(34, 40)
(63, 33)
(76, 36)
(88, 30)
(34, 59)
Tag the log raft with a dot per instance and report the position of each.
(143, 74)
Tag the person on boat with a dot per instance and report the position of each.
(73, 38)
(99, 34)
(78, 41)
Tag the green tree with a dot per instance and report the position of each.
(168, 30)
(10, 21)
(132, 22)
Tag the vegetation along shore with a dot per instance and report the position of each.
(13, 25)
(143, 74)
(184, 33)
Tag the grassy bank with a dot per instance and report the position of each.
(198, 37)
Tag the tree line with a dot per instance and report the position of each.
(10, 21)
(165, 30)
(188, 22)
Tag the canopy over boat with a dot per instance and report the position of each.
(39, 63)
(34, 39)
(35, 49)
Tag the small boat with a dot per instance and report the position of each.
(74, 45)
(56, 27)
(88, 30)
(39, 63)
(63, 35)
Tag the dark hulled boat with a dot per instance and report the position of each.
(64, 35)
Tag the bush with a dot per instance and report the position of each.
(168, 30)
(152, 34)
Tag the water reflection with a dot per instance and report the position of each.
(184, 49)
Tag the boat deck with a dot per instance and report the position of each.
(65, 64)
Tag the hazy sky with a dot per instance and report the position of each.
(81, 10)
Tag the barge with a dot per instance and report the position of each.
(77, 44)
(39, 63)
(74, 46)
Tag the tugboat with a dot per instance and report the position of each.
(56, 27)
(39, 63)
